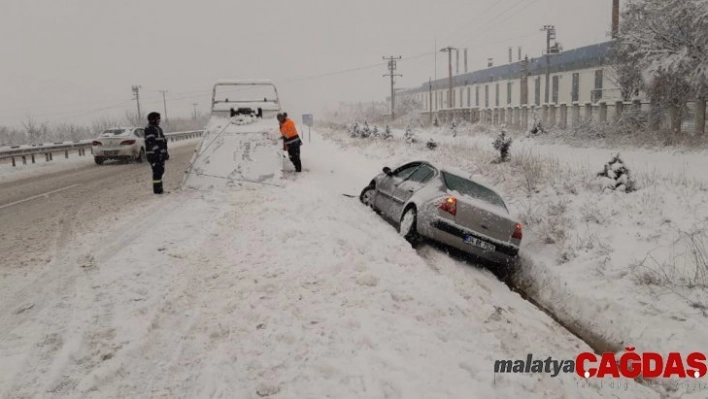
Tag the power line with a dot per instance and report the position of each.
(467, 23)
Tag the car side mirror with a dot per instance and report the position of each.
(387, 171)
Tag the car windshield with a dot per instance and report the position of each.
(113, 132)
(472, 189)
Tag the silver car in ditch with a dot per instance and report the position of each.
(428, 202)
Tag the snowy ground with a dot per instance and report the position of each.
(286, 291)
(623, 269)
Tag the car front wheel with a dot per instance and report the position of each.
(367, 196)
(98, 160)
(407, 228)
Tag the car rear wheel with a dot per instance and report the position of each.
(98, 160)
(141, 156)
(407, 228)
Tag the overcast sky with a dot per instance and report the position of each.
(76, 60)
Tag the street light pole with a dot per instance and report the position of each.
(449, 61)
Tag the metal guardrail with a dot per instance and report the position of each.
(48, 150)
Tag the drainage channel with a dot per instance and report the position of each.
(595, 341)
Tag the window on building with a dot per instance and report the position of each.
(538, 91)
(597, 93)
(469, 103)
(556, 83)
(508, 92)
(575, 93)
(476, 96)
(486, 96)
(496, 95)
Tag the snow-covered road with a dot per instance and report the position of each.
(289, 292)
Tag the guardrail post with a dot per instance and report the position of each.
(32, 158)
(66, 154)
(13, 162)
(24, 160)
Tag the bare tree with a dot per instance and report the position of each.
(624, 71)
(36, 132)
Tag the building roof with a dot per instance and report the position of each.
(580, 58)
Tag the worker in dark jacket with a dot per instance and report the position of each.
(156, 146)
(291, 140)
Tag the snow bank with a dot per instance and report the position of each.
(624, 268)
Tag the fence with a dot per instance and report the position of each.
(48, 151)
(564, 116)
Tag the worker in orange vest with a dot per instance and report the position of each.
(291, 140)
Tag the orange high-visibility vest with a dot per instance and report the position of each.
(288, 130)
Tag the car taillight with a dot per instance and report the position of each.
(96, 143)
(449, 205)
(518, 234)
(127, 142)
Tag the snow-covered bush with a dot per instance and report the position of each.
(431, 144)
(387, 133)
(409, 135)
(453, 128)
(365, 131)
(354, 130)
(502, 143)
(615, 176)
(375, 132)
(436, 121)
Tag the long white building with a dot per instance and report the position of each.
(576, 76)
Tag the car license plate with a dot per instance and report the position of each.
(480, 244)
(108, 153)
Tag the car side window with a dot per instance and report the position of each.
(405, 171)
(140, 133)
(422, 174)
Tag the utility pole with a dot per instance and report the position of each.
(449, 50)
(195, 110)
(550, 35)
(391, 68)
(164, 102)
(136, 93)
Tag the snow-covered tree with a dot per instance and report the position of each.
(409, 135)
(436, 121)
(668, 40)
(616, 176)
(502, 143)
(365, 130)
(387, 133)
(375, 132)
(431, 144)
(453, 128)
(355, 130)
